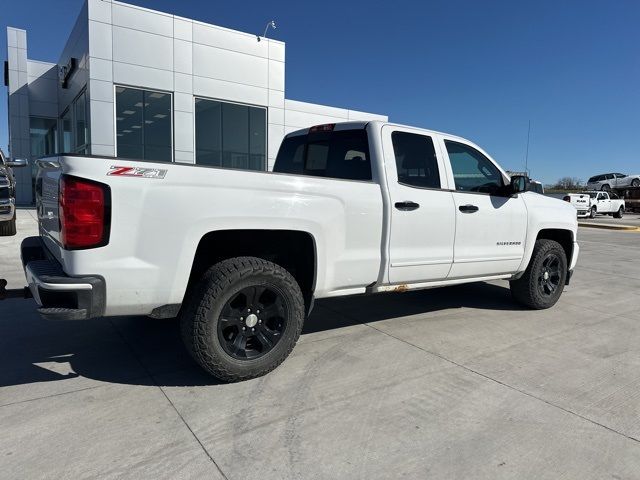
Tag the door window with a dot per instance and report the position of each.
(472, 171)
(416, 160)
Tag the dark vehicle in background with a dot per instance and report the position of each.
(607, 181)
(8, 195)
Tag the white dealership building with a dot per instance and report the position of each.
(137, 83)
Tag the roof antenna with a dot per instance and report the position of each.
(271, 24)
(526, 157)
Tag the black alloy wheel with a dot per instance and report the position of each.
(549, 278)
(252, 322)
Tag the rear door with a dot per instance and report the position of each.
(422, 210)
(490, 226)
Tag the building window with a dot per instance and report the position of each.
(80, 116)
(43, 136)
(143, 124)
(230, 135)
(74, 127)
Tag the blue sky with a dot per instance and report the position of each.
(480, 70)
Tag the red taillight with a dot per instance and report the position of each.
(327, 127)
(567, 198)
(84, 213)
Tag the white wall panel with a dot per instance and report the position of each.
(182, 56)
(231, 66)
(100, 40)
(276, 75)
(102, 122)
(146, 77)
(183, 82)
(142, 19)
(101, 69)
(276, 50)
(99, 10)
(229, 39)
(142, 48)
(183, 28)
(276, 115)
(101, 90)
(183, 102)
(207, 87)
(183, 131)
(276, 134)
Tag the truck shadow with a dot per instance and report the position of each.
(144, 351)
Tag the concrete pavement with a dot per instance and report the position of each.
(449, 383)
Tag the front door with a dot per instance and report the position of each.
(490, 227)
(422, 210)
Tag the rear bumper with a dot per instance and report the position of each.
(60, 296)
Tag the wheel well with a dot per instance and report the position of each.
(292, 250)
(563, 237)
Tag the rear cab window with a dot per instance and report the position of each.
(340, 154)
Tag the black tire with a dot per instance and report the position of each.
(592, 213)
(606, 187)
(8, 229)
(619, 213)
(204, 330)
(533, 288)
(635, 182)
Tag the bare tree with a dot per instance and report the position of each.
(568, 183)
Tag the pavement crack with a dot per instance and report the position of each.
(155, 383)
(511, 387)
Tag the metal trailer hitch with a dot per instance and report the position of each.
(5, 293)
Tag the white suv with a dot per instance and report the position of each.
(607, 181)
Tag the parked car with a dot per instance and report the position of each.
(8, 195)
(589, 204)
(351, 208)
(608, 181)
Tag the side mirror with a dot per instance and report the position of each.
(518, 183)
(17, 162)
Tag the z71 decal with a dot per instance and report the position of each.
(137, 172)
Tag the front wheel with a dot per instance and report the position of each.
(606, 187)
(619, 213)
(543, 281)
(592, 213)
(635, 182)
(243, 318)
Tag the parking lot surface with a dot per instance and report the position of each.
(458, 382)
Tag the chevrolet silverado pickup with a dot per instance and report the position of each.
(240, 256)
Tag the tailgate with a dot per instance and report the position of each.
(580, 201)
(47, 195)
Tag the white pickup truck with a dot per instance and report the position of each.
(589, 204)
(240, 256)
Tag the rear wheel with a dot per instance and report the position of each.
(243, 318)
(543, 281)
(8, 228)
(606, 187)
(592, 213)
(619, 213)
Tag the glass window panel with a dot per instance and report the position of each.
(230, 135)
(235, 138)
(416, 160)
(43, 134)
(257, 138)
(66, 132)
(472, 171)
(157, 126)
(208, 133)
(128, 114)
(81, 123)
